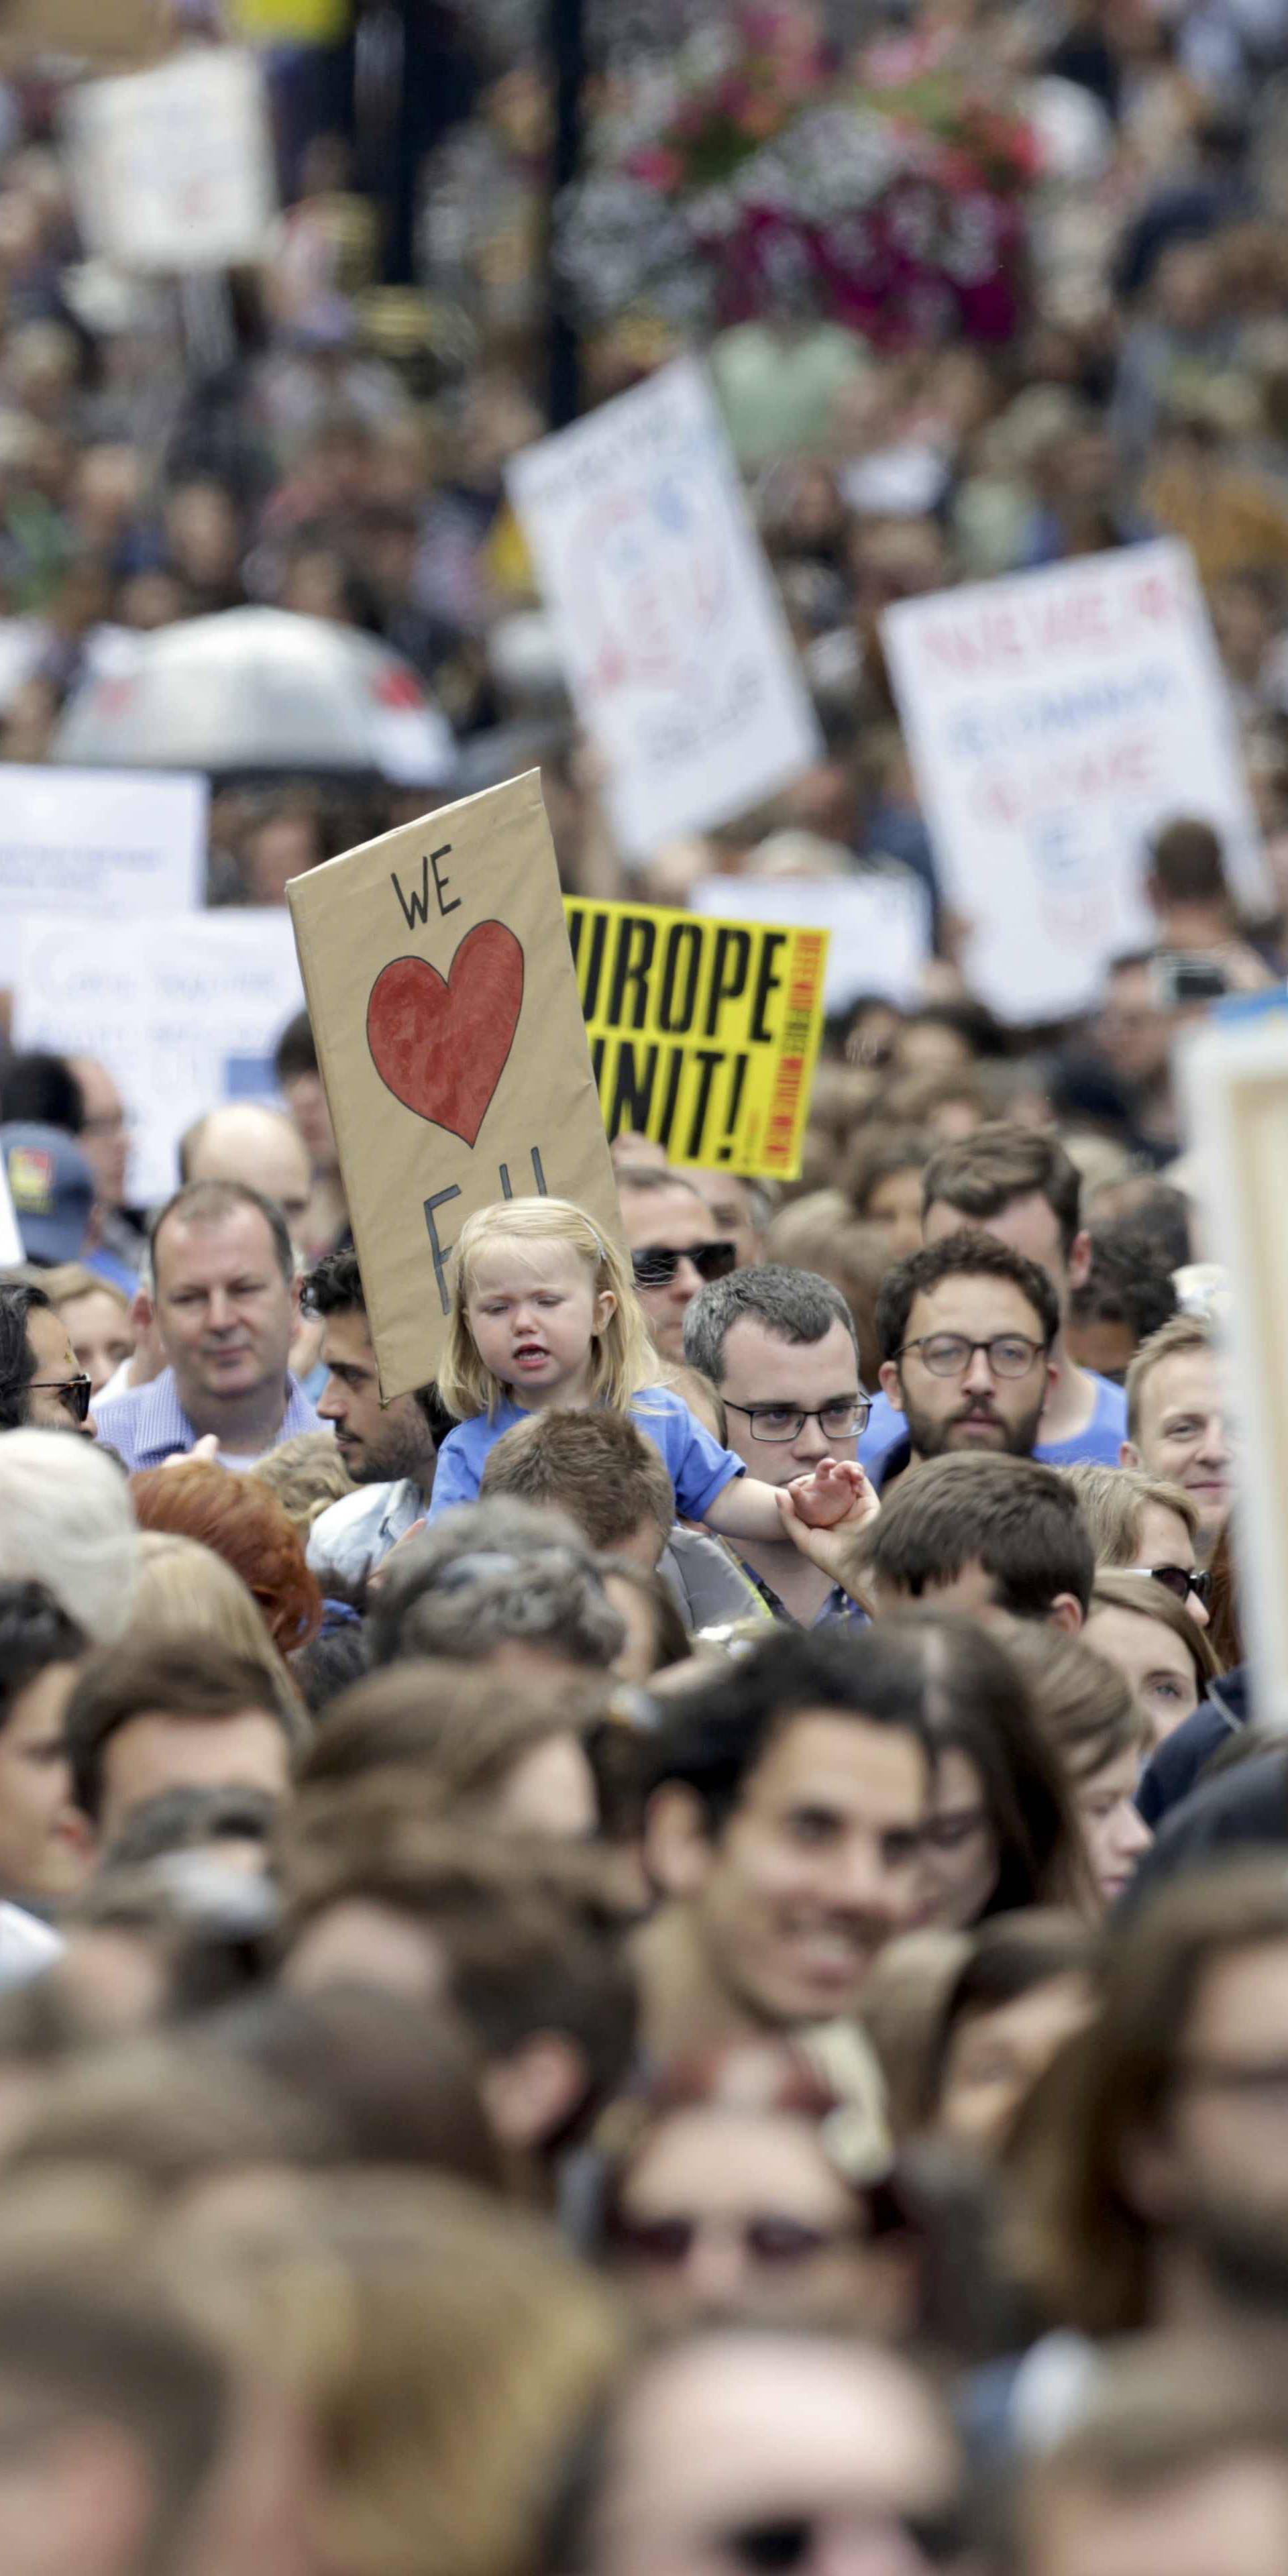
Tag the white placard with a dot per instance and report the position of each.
(1234, 1080)
(1055, 720)
(184, 1009)
(100, 840)
(675, 649)
(173, 169)
(880, 926)
(11, 1251)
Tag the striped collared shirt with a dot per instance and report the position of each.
(149, 1424)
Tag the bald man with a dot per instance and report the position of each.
(258, 1147)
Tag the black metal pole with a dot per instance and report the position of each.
(566, 26)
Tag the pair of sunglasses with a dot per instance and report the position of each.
(73, 1392)
(779, 2547)
(655, 1265)
(668, 2243)
(1180, 1581)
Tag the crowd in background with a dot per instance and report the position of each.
(667, 1956)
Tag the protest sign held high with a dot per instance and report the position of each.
(444, 1006)
(1056, 719)
(675, 647)
(703, 1034)
(102, 840)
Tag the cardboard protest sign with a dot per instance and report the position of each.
(703, 1034)
(878, 925)
(88, 31)
(173, 169)
(183, 1008)
(1056, 720)
(101, 840)
(1234, 1077)
(675, 648)
(444, 1006)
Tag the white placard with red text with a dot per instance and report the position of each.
(1055, 721)
(675, 647)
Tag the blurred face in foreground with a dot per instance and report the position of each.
(738, 2213)
(813, 1872)
(1216, 2169)
(746, 2453)
(1228, 2517)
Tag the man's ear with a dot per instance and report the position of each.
(1148, 2177)
(531, 2095)
(1129, 1455)
(891, 1383)
(1080, 1259)
(1066, 1614)
(676, 1845)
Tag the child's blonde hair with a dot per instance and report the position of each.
(622, 1356)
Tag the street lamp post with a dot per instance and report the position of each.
(566, 38)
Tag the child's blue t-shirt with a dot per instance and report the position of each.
(698, 1467)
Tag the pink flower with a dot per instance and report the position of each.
(658, 166)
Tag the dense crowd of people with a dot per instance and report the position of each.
(667, 1956)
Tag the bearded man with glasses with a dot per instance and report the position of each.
(41, 1386)
(966, 1329)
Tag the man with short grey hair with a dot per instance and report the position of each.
(780, 1347)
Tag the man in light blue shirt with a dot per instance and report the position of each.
(227, 1302)
(1019, 1184)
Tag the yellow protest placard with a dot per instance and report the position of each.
(703, 1034)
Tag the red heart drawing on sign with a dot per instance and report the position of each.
(441, 1048)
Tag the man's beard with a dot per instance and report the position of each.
(402, 1449)
(938, 1440)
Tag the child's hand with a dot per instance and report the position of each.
(831, 1549)
(832, 1494)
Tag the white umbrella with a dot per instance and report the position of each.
(255, 689)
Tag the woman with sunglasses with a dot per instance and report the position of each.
(1140, 1524)
(1140, 1625)
(749, 2189)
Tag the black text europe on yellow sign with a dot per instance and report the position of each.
(703, 1034)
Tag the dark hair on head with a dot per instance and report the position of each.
(594, 1465)
(1013, 1517)
(398, 2080)
(978, 1176)
(971, 1021)
(207, 1202)
(1010, 1955)
(1162, 1218)
(335, 1659)
(295, 1052)
(1129, 1281)
(201, 1680)
(1186, 863)
(966, 1255)
(796, 1306)
(34, 1633)
(714, 1737)
(974, 1700)
(334, 1287)
(672, 1643)
(41, 1090)
(182, 1820)
(877, 1154)
(18, 1299)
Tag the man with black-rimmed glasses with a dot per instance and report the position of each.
(779, 1346)
(966, 1329)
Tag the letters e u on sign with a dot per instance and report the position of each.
(444, 1007)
